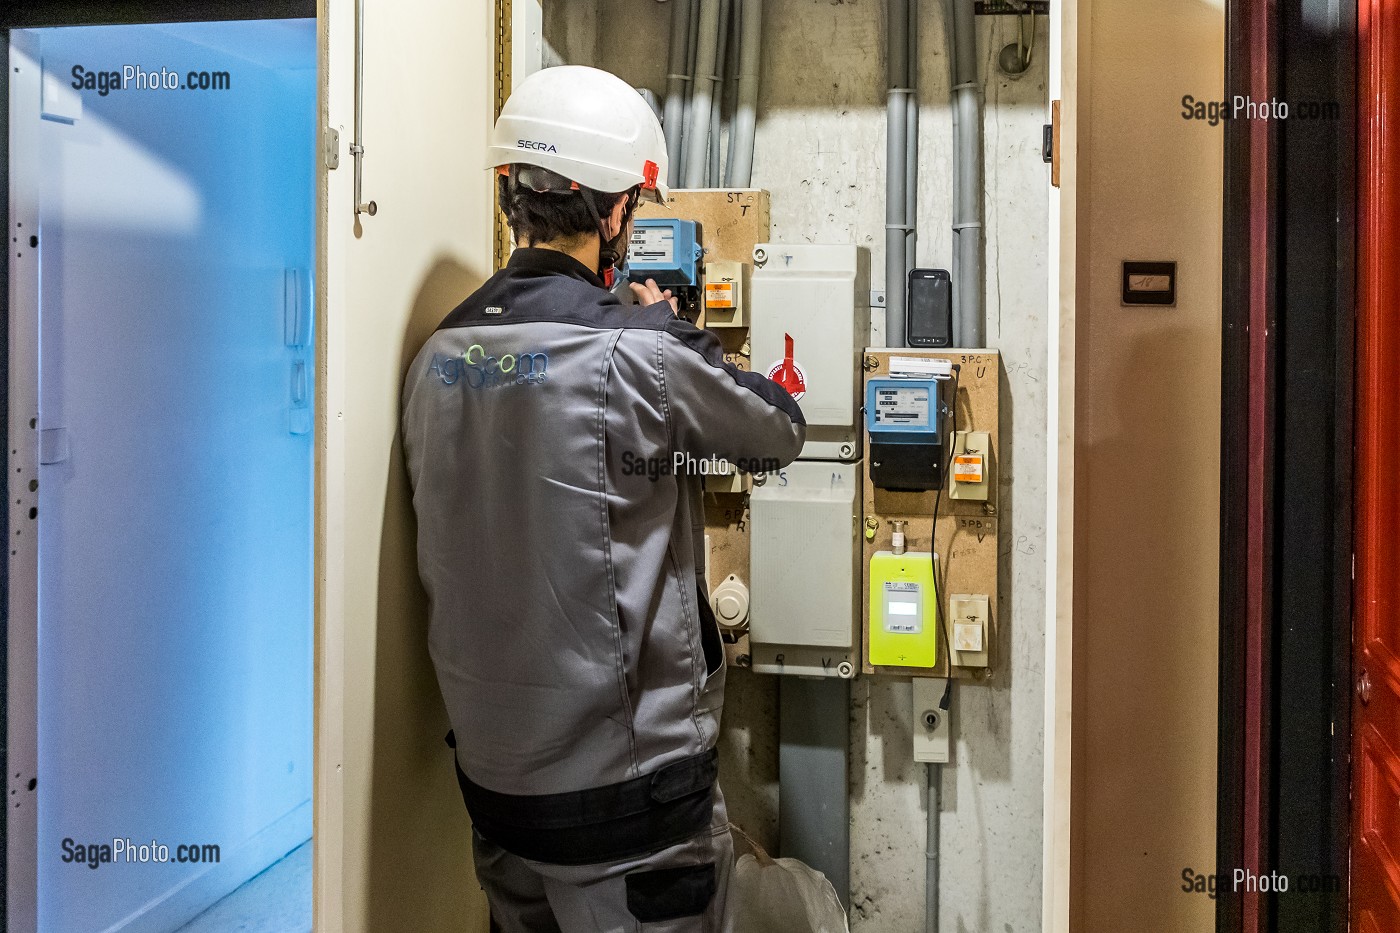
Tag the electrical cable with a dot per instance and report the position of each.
(947, 558)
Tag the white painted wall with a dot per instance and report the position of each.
(392, 834)
(820, 151)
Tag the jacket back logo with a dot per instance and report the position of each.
(477, 369)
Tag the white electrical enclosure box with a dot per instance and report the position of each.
(968, 616)
(811, 317)
(804, 570)
(930, 720)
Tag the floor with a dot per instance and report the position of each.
(276, 901)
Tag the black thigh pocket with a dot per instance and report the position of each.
(669, 893)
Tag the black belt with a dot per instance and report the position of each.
(598, 824)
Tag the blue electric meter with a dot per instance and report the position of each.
(904, 419)
(668, 251)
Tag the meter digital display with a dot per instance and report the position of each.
(904, 608)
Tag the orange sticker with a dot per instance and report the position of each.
(719, 295)
(967, 468)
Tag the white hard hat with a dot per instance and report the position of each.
(584, 124)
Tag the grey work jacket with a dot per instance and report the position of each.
(561, 550)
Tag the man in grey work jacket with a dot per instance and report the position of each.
(563, 554)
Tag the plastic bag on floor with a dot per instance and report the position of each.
(782, 896)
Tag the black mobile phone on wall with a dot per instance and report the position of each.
(928, 314)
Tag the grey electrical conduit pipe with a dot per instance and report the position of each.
(673, 123)
(740, 170)
(935, 806)
(969, 324)
(737, 42)
(712, 176)
(896, 170)
(697, 150)
(911, 140)
(692, 37)
(731, 86)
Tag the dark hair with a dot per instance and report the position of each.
(556, 214)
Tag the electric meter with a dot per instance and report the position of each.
(668, 251)
(904, 418)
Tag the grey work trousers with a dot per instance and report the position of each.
(662, 892)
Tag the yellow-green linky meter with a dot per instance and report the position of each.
(903, 608)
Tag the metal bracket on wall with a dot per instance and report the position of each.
(332, 147)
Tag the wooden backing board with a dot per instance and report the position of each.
(727, 526)
(732, 223)
(967, 531)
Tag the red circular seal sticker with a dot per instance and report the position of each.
(787, 373)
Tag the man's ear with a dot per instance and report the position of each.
(616, 217)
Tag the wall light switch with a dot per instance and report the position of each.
(1149, 283)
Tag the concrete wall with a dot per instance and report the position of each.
(1146, 449)
(392, 843)
(820, 151)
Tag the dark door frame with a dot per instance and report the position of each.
(23, 14)
(1286, 464)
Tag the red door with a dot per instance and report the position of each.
(1375, 818)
